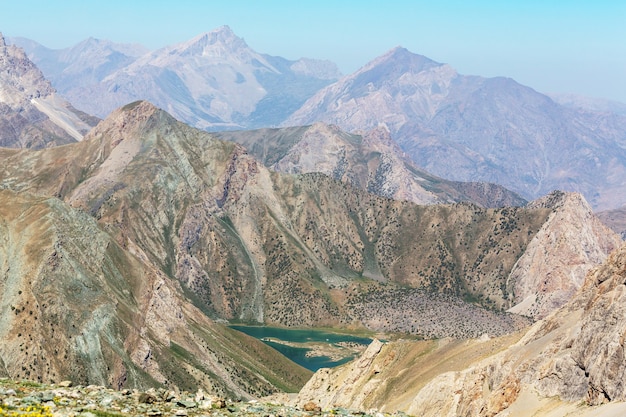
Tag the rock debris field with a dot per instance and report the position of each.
(29, 399)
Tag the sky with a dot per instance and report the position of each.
(564, 46)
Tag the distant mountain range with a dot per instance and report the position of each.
(470, 128)
(589, 103)
(462, 128)
(212, 81)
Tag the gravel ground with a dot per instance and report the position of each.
(28, 399)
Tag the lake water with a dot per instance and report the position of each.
(298, 354)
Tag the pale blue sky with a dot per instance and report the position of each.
(553, 46)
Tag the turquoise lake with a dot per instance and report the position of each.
(298, 354)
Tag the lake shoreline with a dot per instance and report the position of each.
(310, 348)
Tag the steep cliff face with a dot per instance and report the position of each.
(576, 354)
(555, 262)
(32, 115)
(569, 362)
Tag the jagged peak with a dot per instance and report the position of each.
(323, 126)
(405, 57)
(223, 32)
(3, 44)
(398, 50)
(126, 120)
(558, 199)
(90, 43)
(222, 36)
(139, 107)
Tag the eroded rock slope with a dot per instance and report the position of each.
(32, 115)
(569, 362)
(166, 207)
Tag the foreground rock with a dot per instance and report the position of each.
(30, 400)
(554, 265)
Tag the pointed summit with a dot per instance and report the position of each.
(222, 33)
(399, 60)
(2, 42)
(215, 43)
(379, 93)
(124, 122)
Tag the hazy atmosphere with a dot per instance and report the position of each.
(305, 209)
(556, 46)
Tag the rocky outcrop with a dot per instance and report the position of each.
(342, 389)
(576, 354)
(31, 114)
(556, 261)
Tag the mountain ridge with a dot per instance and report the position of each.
(209, 234)
(214, 80)
(371, 161)
(218, 185)
(463, 128)
(470, 128)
